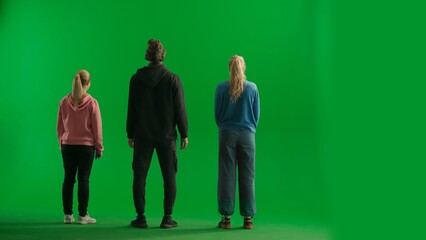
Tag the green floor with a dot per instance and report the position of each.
(19, 226)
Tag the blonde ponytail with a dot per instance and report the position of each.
(80, 79)
(237, 67)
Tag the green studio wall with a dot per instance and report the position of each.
(286, 45)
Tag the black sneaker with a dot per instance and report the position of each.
(139, 222)
(168, 222)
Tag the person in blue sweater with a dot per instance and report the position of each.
(237, 111)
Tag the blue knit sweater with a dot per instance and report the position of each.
(243, 114)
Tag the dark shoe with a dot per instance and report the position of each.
(225, 223)
(168, 222)
(139, 222)
(248, 223)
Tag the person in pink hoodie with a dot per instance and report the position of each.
(79, 130)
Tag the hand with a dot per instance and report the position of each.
(98, 154)
(131, 142)
(183, 143)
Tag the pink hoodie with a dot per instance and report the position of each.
(81, 125)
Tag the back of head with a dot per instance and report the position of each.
(237, 67)
(155, 51)
(80, 82)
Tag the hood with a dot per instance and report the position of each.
(151, 75)
(85, 101)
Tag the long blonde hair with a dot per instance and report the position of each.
(79, 86)
(236, 66)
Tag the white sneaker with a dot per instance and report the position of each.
(69, 218)
(86, 219)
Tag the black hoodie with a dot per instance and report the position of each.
(156, 105)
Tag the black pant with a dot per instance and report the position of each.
(142, 155)
(76, 158)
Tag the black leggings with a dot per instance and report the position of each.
(78, 159)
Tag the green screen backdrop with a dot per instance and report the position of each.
(44, 43)
(341, 138)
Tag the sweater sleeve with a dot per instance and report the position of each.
(97, 126)
(179, 108)
(59, 126)
(256, 107)
(130, 124)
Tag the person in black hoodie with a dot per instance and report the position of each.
(156, 106)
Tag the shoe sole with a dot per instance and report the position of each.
(167, 226)
(84, 223)
(139, 226)
(224, 226)
(248, 227)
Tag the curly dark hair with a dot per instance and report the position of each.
(155, 51)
